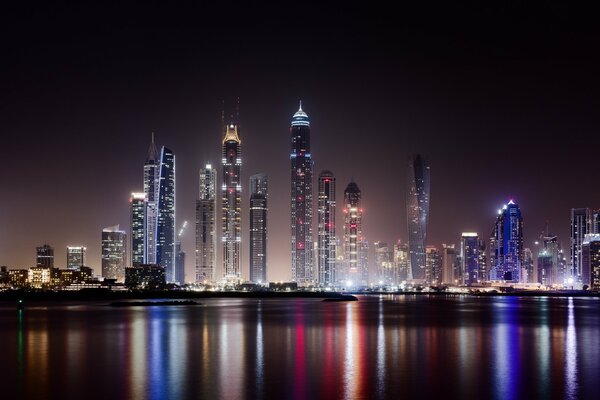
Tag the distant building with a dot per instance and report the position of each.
(507, 237)
(137, 208)
(451, 274)
(76, 257)
(550, 268)
(581, 224)
(179, 263)
(258, 227)
(206, 228)
(326, 229)
(45, 256)
(301, 199)
(433, 265)
(595, 228)
(401, 262)
(151, 186)
(387, 273)
(469, 254)
(530, 273)
(483, 266)
(417, 213)
(41, 277)
(18, 277)
(165, 214)
(232, 203)
(145, 277)
(590, 259)
(114, 253)
(355, 247)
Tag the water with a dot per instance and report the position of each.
(380, 347)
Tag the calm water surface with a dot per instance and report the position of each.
(380, 347)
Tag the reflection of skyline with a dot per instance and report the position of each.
(375, 348)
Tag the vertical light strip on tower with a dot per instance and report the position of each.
(231, 193)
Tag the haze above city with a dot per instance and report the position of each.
(507, 113)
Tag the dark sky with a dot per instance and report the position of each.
(502, 98)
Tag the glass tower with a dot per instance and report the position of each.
(137, 203)
(114, 253)
(76, 257)
(326, 229)
(417, 213)
(44, 256)
(206, 230)
(151, 184)
(507, 238)
(581, 224)
(231, 197)
(354, 242)
(165, 214)
(258, 227)
(469, 255)
(301, 199)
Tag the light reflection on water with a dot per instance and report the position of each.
(379, 347)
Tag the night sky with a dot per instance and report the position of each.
(502, 98)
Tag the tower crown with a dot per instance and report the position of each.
(231, 134)
(300, 118)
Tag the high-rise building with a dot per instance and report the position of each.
(483, 266)
(401, 263)
(258, 227)
(387, 273)
(450, 268)
(326, 229)
(595, 221)
(550, 265)
(179, 276)
(590, 261)
(151, 185)
(508, 240)
(206, 228)
(138, 226)
(469, 255)
(44, 256)
(355, 246)
(529, 272)
(165, 212)
(433, 265)
(301, 199)
(76, 257)
(581, 223)
(417, 213)
(231, 197)
(114, 253)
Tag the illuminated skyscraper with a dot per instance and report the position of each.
(387, 273)
(354, 242)
(165, 214)
(44, 256)
(401, 261)
(529, 269)
(151, 184)
(231, 196)
(450, 269)
(469, 255)
(138, 225)
(483, 266)
(76, 257)
(417, 212)
(590, 261)
(508, 240)
(326, 229)
(258, 227)
(433, 265)
(206, 228)
(549, 262)
(179, 277)
(114, 253)
(301, 199)
(581, 224)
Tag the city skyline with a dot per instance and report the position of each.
(475, 93)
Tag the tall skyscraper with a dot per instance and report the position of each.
(165, 212)
(151, 185)
(206, 228)
(138, 226)
(301, 199)
(581, 224)
(450, 269)
(433, 265)
(508, 240)
(387, 273)
(401, 261)
(550, 265)
(114, 253)
(326, 263)
(231, 214)
(357, 272)
(76, 257)
(590, 261)
(469, 254)
(595, 221)
(528, 266)
(483, 265)
(258, 227)
(417, 212)
(44, 256)
(179, 277)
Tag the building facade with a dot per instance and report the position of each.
(44, 256)
(138, 226)
(581, 224)
(417, 213)
(469, 255)
(301, 199)
(450, 269)
(151, 184)
(508, 240)
(355, 245)
(590, 260)
(76, 257)
(258, 227)
(165, 221)
(326, 253)
(114, 253)
(231, 203)
(206, 228)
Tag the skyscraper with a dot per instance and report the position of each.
(550, 269)
(151, 184)
(433, 265)
(179, 277)
(417, 212)
(483, 266)
(387, 273)
(580, 226)
(508, 240)
(590, 260)
(114, 253)
(231, 193)
(258, 227)
(206, 229)
(165, 214)
(469, 254)
(138, 226)
(301, 199)
(44, 256)
(326, 229)
(354, 240)
(76, 257)
(450, 270)
(401, 261)
(528, 266)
